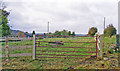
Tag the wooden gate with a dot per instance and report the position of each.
(52, 48)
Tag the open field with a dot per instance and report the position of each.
(26, 62)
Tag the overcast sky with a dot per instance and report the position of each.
(74, 15)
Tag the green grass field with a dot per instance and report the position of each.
(54, 63)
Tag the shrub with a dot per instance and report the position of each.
(110, 31)
(73, 33)
(92, 31)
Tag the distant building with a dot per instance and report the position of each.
(21, 34)
(18, 33)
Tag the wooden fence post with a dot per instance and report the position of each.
(101, 46)
(96, 46)
(34, 49)
(117, 46)
(6, 49)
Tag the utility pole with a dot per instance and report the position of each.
(48, 27)
(104, 23)
(48, 30)
(117, 36)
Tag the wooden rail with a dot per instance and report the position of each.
(15, 39)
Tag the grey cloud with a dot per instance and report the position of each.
(75, 16)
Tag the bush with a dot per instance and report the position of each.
(92, 31)
(73, 33)
(110, 31)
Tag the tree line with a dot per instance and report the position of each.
(61, 33)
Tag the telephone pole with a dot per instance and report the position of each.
(104, 23)
(48, 28)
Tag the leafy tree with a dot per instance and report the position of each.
(4, 26)
(73, 33)
(3, 22)
(69, 33)
(110, 31)
(92, 31)
(64, 32)
(49, 34)
(56, 33)
(44, 34)
(59, 33)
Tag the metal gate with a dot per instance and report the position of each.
(45, 48)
